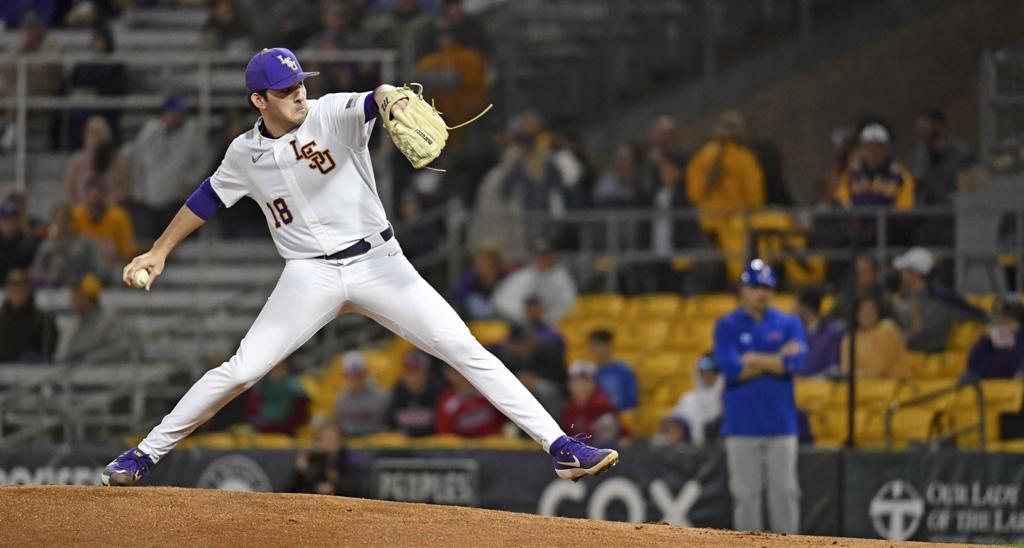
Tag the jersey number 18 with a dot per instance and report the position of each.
(280, 212)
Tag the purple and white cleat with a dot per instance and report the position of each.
(574, 459)
(128, 468)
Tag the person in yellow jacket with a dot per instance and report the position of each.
(722, 179)
(107, 225)
(874, 177)
(880, 344)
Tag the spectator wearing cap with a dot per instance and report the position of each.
(414, 399)
(65, 255)
(523, 350)
(615, 377)
(465, 412)
(17, 245)
(472, 298)
(586, 403)
(27, 334)
(362, 406)
(879, 344)
(925, 310)
(866, 282)
(169, 154)
(758, 349)
(999, 352)
(106, 224)
(278, 404)
(938, 158)
(701, 407)
(546, 278)
(824, 336)
(93, 334)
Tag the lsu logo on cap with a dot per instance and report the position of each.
(288, 62)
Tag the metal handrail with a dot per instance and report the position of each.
(927, 397)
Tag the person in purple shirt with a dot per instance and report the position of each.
(533, 308)
(615, 377)
(999, 353)
(824, 336)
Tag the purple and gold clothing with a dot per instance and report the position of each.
(890, 184)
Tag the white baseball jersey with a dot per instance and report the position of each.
(314, 184)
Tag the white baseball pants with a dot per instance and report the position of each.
(380, 284)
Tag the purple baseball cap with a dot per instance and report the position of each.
(274, 68)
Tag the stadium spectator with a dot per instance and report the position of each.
(724, 179)
(278, 404)
(106, 224)
(27, 334)
(65, 255)
(405, 28)
(866, 283)
(549, 394)
(824, 336)
(672, 430)
(876, 179)
(577, 174)
(843, 142)
(925, 310)
(94, 334)
(34, 226)
(619, 185)
(545, 277)
(530, 177)
(98, 156)
(879, 344)
(44, 79)
(99, 78)
(339, 32)
(464, 412)
(225, 30)
(664, 161)
(586, 403)
(414, 399)
(328, 469)
(464, 28)
(169, 157)
(17, 245)
(362, 406)
(701, 407)
(999, 352)
(615, 377)
(523, 350)
(472, 298)
(289, 23)
(938, 159)
(758, 350)
(457, 75)
(544, 332)
(420, 237)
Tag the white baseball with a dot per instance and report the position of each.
(141, 278)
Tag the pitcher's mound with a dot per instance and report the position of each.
(62, 515)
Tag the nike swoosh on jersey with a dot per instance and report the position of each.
(575, 462)
(257, 157)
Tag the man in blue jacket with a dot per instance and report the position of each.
(758, 350)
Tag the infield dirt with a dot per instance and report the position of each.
(165, 516)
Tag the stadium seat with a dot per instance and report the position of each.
(985, 302)
(382, 368)
(875, 393)
(642, 334)
(915, 362)
(272, 441)
(1002, 395)
(964, 335)
(813, 395)
(784, 302)
(661, 306)
(602, 305)
(489, 332)
(911, 424)
(918, 387)
(713, 305)
(692, 335)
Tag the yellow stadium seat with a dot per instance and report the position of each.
(216, 440)
(911, 424)
(955, 363)
(915, 362)
(984, 302)
(382, 367)
(832, 426)
(605, 305)
(875, 393)
(643, 334)
(693, 335)
(964, 335)
(1003, 395)
(713, 305)
(918, 387)
(272, 441)
(813, 394)
(489, 332)
(665, 365)
(784, 302)
(664, 306)
(828, 304)
(870, 429)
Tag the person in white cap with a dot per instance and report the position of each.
(875, 178)
(925, 315)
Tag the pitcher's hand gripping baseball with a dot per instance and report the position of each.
(143, 270)
(415, 126)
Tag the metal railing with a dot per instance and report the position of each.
(935, 441)
(183, 72)
(1002, 108)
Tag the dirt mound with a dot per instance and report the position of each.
(61, 515)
